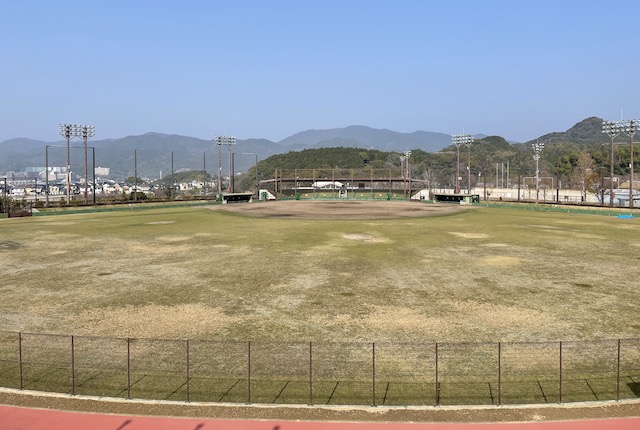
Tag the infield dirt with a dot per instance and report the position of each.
(341, 209)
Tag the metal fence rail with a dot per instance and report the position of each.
(329, 373)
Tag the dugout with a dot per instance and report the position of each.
(462, 199)
(237, 198)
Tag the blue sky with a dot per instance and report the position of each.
(268, 69)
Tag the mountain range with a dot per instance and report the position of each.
(153, 155)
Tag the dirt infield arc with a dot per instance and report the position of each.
(19, 418)
(336, 209)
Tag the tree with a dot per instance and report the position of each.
(136, 196)
(582, 174)
(134, 180)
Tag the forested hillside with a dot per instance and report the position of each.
(577, 158)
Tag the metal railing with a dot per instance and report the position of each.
(322, 373)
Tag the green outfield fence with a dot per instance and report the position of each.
(322, 373)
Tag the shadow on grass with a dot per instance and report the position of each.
(635, 388)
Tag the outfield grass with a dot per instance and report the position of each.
(481, 275)
(485, 275)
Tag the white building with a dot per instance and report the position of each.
(102, 171)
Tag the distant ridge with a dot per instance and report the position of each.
(155, 151)
(367, 137)
(583, 132)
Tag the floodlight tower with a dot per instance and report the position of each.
(612, 129)
(457, 142)
(229, 141)
(67, 131)
(630, 128)
(465, 139)
(537, 149)
(406, 172)
(85, 132)
(218, 140)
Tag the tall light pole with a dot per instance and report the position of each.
(537, 149)
(229, 141)
(630, 129)
(85, 132)
(218, 140)
(612, 129)
(67, 131)
(465, 139)
(455, 139)
(406, 173)
(459, 140)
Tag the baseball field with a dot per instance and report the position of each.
(346, 274)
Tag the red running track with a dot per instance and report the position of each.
(19, 418)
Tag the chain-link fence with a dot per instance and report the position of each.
(328, 373)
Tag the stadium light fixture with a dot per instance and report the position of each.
(85, 132)
(67, 131)
(406, 172)
(537, 150)
(459, 140)
(229, 141)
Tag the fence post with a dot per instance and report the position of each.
(560, 385)
(128, 368)
(373, 372)
(437, 392)
(618, 373)
(499, 373)
(310, 374)
(249, 372)
(20, 358)
(73, 366)
(188, 379)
